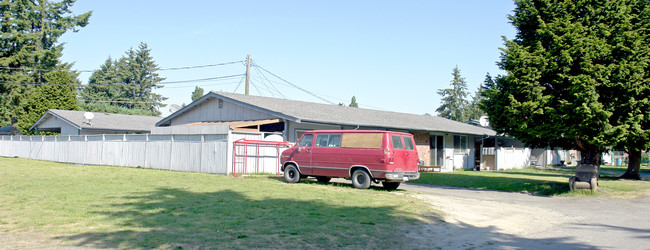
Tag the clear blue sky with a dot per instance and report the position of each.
(391, 55)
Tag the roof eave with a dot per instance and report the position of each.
(168, 119)
(50, 113)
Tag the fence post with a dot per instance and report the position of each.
(146, 141)
(201, 153)
(101, 158)
(85, 149)
(171, 151)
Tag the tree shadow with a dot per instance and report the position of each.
(559, 174)
(508, 184)
(176, 218)
(169, 218)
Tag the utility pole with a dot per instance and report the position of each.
(248, 72)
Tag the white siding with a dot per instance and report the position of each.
(512, 158)
(209, 111)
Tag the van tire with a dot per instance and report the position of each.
(323, 179)
(361, 179)
(390, 185)
(291, 174)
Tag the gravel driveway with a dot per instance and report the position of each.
(502, 220)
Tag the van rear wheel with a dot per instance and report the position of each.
(291, 174)
(390, 185)
(361, 179)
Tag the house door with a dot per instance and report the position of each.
(437, 150)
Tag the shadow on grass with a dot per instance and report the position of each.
(560, 173)
(508, 184)
(176, 218)
(338, 182)
(169, 218)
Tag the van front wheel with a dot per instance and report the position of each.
(361, 179)
(291, 174)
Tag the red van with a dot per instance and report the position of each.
(361, 155)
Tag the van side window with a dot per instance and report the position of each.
(306, 140)
(397, 141)
(408, 143)
(335, 141)
(321, 140)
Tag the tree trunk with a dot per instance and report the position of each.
(633, 166)
(590, 154)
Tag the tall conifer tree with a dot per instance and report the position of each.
(454, 104)
(577, 77)
(29, 49)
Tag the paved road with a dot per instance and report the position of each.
(515, 220)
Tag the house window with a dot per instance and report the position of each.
(460, 143)
(220, 103)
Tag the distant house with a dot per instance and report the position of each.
(71, 122)
(440, 142)
(9, 130)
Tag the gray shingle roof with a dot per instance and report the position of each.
(103, 121)
(340, 115)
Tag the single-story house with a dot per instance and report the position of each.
(9, 130)
(72, 122)
(440, 142)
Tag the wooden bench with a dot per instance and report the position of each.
(430, 168)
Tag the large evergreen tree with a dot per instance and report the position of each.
(454, 104)
(60, 92)
(577, 77)
(127, 83)
(29, 33)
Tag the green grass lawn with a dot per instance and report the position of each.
(534, 181)
(117, 207)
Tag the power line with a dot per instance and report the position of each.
(271, 83)
(295, 86)
(107, 101)
(90, 71)
(122, 83)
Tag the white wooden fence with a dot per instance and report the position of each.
(189, 153)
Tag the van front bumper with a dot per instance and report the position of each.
(402, 176)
